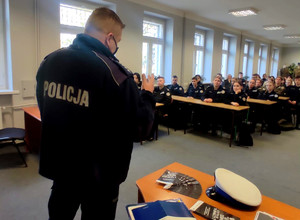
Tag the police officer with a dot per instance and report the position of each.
(174, 88)
(84, 94)
(196, 90)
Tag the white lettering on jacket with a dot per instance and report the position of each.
(67, 93)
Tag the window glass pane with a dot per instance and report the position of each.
(224, 64)
(156, 59)
(246, 48)
(199, 62)
(245, 60)
(199, 39)
(145, 58)
(73, 16)
(66, 39)
(225, 44)
(151, 29)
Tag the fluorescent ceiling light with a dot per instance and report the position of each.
(243, 12)
(292, 36)
(274, 27)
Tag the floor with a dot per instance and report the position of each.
(273, 164)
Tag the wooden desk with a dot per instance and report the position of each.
(232, 108)
(157, 104)
(284, 98)
(261, 102)
(149, 191)
(33, 128)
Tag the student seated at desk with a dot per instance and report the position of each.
(293, 93)
(174, 88)
(238, 96)
(271, 113)
(196, 90)
(214, 92)
(279, 88)
(251, 90)
(297, 104)
(259, 87)
(162, 95)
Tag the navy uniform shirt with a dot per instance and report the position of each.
(291, 91)
(252, 93)
(176, 89)
(240, 98)
(162, 95)
(195, 92)
(218, 95)
(272, 96)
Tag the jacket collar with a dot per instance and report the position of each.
(86, 42)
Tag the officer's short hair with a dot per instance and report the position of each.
(175, 76)
(160, 77)
(101, 20)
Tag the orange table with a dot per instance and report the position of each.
(149, 190)
(33, 128)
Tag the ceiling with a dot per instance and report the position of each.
(286, 12)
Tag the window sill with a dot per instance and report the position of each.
(9, 92)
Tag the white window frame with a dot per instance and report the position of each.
(262, 59)
(151, 41)
(6, 84)
(74, 30)
(199, 48)
(274, 62)
(245, 56)
(224, 71)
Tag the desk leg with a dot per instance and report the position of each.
(232, 129)
(140, 197)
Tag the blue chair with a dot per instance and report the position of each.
(10, 135)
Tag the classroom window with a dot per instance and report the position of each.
(274, 62)
(5, 50)
(72, 22)
(225, 56)
(248, 58)
(199, 51)
(262, 59)
(153, 46)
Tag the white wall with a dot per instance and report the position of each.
(35, 33)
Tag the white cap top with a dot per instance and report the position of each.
(238, 187)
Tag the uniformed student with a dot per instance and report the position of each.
(251, 90)
(240, 77)
(297, 84)
(238, 96)
(161, 93)
(291, 91)
(227, 83)
(91, 112)
(195, 91)
(271, 112)
(174, 88)
(259, 87)
(214, 92)
(279, 88)
(137, 80)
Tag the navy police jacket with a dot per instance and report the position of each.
(218, 95)
(272, 96)
(240, 98)
(91, 113)
(195, 92)
(176, 89)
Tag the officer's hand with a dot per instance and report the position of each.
(209, 100)
(148, 83)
